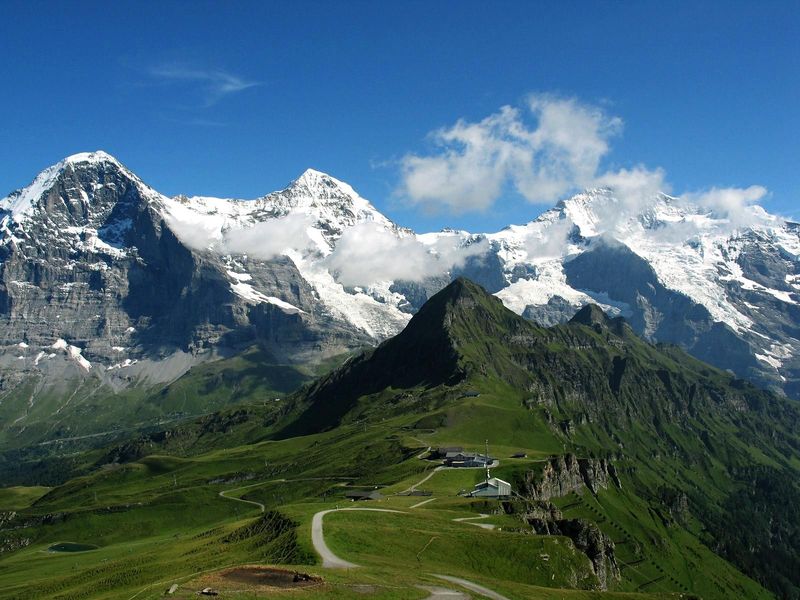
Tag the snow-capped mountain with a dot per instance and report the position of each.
(103, 277)
(724, 288)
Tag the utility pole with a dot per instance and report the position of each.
(488, 464)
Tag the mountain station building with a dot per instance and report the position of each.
(491, 488)
(467, 459)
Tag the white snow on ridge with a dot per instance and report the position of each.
(241, 277)
(21, 202)
(92, 242)
(283, 305)
(770, 360)
(518, 295)
(249, 293)
(376, 319)
(126, 363)
(331, 205)
(693, 272)
(75, 354)
(691, 251)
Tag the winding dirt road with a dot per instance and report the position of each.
(473, 587)
(223, 494)
(329, 559)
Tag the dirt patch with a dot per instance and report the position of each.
(269, 577)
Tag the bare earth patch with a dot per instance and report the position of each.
(258, 578)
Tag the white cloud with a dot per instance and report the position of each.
(264, 240)
(634, 192)
(198, 234)
(550, 241)
(570, 141)
(268, 239)
(736, 205)
(477, 161)
(368, 253)
(214, 84)
(634, 188)
(549, 149)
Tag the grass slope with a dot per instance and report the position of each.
(682, 437)
(40, 424)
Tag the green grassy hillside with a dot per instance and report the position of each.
(646, 474)
(46, 442)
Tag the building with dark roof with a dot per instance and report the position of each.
(356, 495)
(467, 459)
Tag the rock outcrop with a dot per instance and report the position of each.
(544, 518)
(562, 475)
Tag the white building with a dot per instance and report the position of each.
(491, 488)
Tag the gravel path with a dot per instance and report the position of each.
(473, 587)
(421, 481)
(418, 504)
(329, 559)
(468, 521)
(253, 502)
(440, 593)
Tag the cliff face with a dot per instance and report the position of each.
(544, 518)
(565, 474)
(588, 538)
(88, 256)
(101, 294)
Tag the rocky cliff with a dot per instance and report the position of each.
(562, 475)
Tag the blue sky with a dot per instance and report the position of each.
(237, 98)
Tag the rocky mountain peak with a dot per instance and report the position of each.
(591, 314)
(96, 157)
(321, 186)
(332, 204)
(80, 190)
(454, 302)
(595, 317)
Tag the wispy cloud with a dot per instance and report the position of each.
(212, 84)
